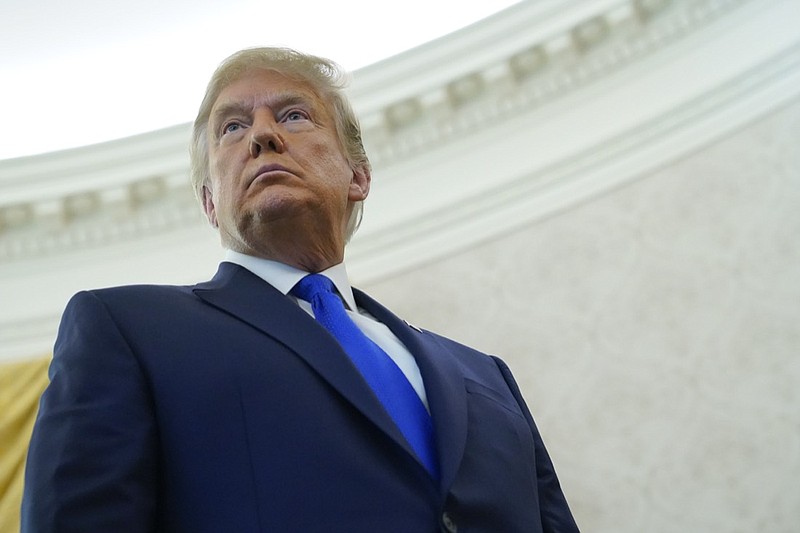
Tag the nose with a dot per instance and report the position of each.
(264, 136)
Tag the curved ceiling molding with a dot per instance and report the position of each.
(565, 113)
(519, 116)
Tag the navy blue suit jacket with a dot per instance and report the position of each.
(225, 407)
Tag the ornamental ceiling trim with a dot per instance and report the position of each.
(529, 196)
(538, 68)
(521, 59)
(553, 106)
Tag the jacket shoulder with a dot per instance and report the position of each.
(135, 293)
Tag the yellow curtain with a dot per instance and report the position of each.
(21, 385)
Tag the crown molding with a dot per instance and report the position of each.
(522, 194)
(515, 118)
(523, 58)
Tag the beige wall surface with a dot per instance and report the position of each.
(654, 332)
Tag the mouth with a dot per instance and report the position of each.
(268, 172)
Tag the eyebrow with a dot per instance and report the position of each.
(276, 101)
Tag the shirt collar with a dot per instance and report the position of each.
(284, 277)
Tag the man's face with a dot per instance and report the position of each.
(277, 170)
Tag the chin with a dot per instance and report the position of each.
(277, 201)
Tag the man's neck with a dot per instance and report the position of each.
(303, 257)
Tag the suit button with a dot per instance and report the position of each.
(448, 523)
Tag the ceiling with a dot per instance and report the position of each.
(86, 71)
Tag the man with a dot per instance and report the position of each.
(267, 399)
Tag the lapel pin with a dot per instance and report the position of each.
(412, 326)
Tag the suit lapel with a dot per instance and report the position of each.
(237, 291)
(444, 385)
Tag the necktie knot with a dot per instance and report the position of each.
(312, 285)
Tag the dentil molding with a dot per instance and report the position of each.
(516, 117)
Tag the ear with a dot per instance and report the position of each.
(208, 207)
(359, 185)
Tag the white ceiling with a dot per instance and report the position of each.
(79, 72)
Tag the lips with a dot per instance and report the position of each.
(265, 170)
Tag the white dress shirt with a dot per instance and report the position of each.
(284, 278)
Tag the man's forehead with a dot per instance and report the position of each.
(261, 87)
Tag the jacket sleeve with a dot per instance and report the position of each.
(92, 463)
(556, 516)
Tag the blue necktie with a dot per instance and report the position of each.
(382, 374)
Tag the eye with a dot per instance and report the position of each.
(294, 116)
(230, 127)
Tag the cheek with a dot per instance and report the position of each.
(217, 167)
(222, 179)
(224, 197)
(331, 161)
(222, 160)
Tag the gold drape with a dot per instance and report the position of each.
(21, 385)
